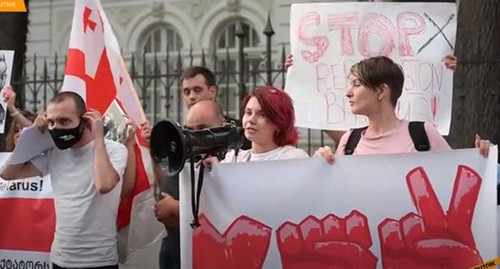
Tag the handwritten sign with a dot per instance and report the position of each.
(425, 210)
(328, 38)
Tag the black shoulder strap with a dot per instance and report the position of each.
(353, 140)
(419, 136)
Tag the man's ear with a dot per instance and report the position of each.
(213, 90)
(85, 122)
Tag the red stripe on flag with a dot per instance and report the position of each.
(100, 90)
(141, 184)
(75, 63)
(27, 224)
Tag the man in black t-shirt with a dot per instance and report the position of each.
(198, 86)
(202, 115)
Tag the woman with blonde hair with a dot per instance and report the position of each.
(375, 85)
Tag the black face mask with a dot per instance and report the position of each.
(66, 138)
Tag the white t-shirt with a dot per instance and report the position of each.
(279, 153)
(85, 233)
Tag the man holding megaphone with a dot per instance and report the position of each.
(198, 85)
(201, 116)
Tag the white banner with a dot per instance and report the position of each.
(328, 38)
(24, 259)
(418, 210)
(26, 188)
(36, 187)
(28, 221)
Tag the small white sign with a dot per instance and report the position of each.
(6, 60)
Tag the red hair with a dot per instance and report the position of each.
(277, 105)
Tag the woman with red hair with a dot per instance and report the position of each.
(269, 123)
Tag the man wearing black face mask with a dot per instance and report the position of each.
(86, 172)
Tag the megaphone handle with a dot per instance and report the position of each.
(195, 198)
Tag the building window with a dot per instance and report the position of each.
(161, 39)
(227, 37)
(161, 46)
(227, 53)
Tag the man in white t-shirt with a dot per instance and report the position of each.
(86, 172)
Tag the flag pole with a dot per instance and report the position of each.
(146, 157)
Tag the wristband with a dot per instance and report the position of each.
(14, 113)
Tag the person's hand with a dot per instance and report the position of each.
(288, 61)
(9, 97)
(483, 146)
(171, 223)
(132, 129)
(209, 161)
(94, 118)
(41, 122)
(450, 62)
(146, 131)
(166, 207)
(433, 238)
(325, 152)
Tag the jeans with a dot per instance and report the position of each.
(170, 252)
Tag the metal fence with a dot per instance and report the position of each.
(157, 79)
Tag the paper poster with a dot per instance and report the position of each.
(6, 61)
(328, 38)
(115, 123)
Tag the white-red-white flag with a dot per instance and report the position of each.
(95, 69)
(27, 223)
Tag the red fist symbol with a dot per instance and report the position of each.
(330, 243)
(243, 245)
(433, 239)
